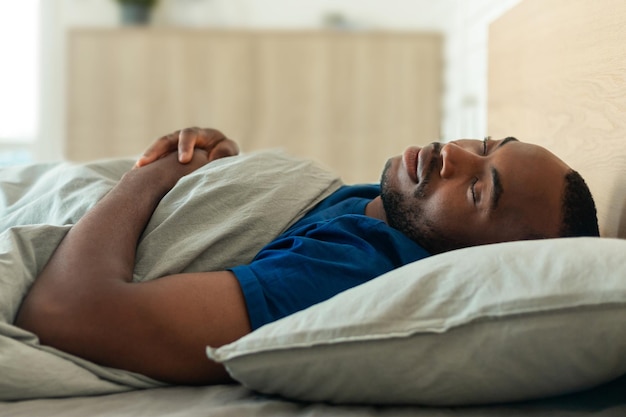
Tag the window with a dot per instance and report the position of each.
(19, 78)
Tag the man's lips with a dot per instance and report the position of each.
(410, 162)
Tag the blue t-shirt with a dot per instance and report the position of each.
(335, 246)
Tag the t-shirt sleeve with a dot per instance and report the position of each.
(315, 262)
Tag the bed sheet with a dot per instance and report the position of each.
(235, 400)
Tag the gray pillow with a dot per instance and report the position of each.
(489, 324)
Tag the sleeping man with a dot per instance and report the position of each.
(89, 301)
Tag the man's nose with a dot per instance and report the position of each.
(457, 160)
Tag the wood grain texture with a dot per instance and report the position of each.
(557, 77)
(350, 100)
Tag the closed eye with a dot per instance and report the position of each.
(485, 145)
(472, 189)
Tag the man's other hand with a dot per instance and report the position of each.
(184, 141)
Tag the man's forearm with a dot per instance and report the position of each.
(102, 244)
(101, 247)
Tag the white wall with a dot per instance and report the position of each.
(465, 95)
(401, 14)
(464, 23)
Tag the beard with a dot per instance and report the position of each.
(405, 213)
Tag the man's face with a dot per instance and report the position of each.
(472, 192)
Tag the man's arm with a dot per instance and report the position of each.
(84, 302)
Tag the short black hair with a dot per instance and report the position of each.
(579, 210)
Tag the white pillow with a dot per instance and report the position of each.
(489, 324)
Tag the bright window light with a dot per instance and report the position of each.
(19, 78)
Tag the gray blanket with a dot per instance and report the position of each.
(217, 217)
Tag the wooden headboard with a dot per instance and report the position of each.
(557, 77)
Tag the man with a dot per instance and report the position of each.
(431, 199)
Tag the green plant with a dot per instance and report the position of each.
(148, 3)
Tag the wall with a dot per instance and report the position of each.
(465, 97)
(399, 14)
(463, 22)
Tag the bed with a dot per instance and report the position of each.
(514, 329)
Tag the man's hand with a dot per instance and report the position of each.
(185, 141)
(163, 173)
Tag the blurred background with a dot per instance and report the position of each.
(349, 82)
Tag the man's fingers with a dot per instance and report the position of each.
(161, 147)
(223, 149)
(188, 139)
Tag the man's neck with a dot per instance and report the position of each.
(376, 210)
